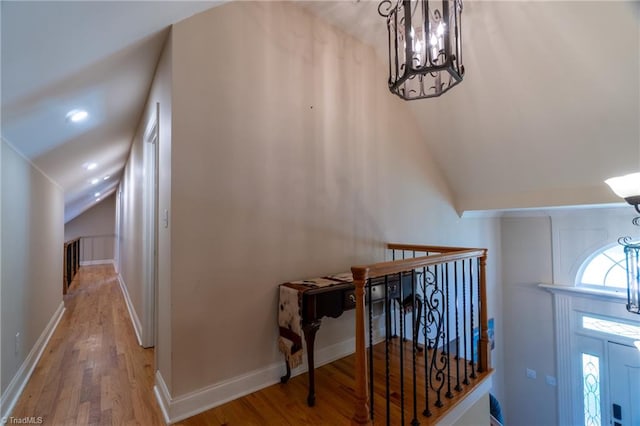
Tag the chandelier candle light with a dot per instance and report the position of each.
(628, 187)
(425, 46)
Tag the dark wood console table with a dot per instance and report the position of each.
(334, 300)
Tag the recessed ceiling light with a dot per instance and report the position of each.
(94, 181)
(97, 194)
(106, 177)
(90, 166)
(77, 115)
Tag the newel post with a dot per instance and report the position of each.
(361, 414)
(485, 343)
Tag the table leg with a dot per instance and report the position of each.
(310, 337)
(287, 376)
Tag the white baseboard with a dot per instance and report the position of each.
(19, 381)
(135, 321)
(162, 396)
(184, 406)
(97, 262)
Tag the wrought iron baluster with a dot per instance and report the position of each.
(447, 330)
(437, 372)
(371, 363)
(464, 319)
(414, 346)
(473, 365)
(393, 306)
(402, 333)
(427, 308)
(458, 388)
(387, 317)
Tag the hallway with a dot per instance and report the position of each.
(93, 371)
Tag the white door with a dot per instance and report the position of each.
(624, 385)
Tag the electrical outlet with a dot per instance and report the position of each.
(551, 381)
(17, 342)
(531, 373)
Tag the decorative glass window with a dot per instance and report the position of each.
(591, 389)
(611, 327)
(605, 269)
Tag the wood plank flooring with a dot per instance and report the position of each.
(285, 404)
(93, 372)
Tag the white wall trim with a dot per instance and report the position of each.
(184, 406)
(162, 396)
(469, 401)
(19, 381)
(563, 332)
(586, 292)
(135, 321)
(97, 262)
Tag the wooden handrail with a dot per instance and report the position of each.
(395, 266)
(434, 249)
(362, 273)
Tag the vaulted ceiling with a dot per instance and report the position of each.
(99, 56)
(549, 108)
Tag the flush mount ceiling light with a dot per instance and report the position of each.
(94, 181)
(425, 46)
(628, 187)
(97, 194)
(90, 166)
(77, 115)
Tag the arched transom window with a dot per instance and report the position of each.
(605, 269)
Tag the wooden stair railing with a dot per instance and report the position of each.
(71, 262)
(435, 257)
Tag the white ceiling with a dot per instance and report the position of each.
(98, 56)
(550, 105)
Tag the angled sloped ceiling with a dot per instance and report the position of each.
(549, 106)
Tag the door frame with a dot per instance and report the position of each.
(150, 247)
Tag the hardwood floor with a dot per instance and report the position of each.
(93, 372)
(285, 404)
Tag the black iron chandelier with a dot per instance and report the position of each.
(425, 46)
(628, 187)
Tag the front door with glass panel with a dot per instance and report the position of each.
(624, 385)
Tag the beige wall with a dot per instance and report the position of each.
(290, 159)
(97, 226)
(130, 234)
(130, 208)
(529, 336)
(32, 241)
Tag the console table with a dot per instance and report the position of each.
(331, 296)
